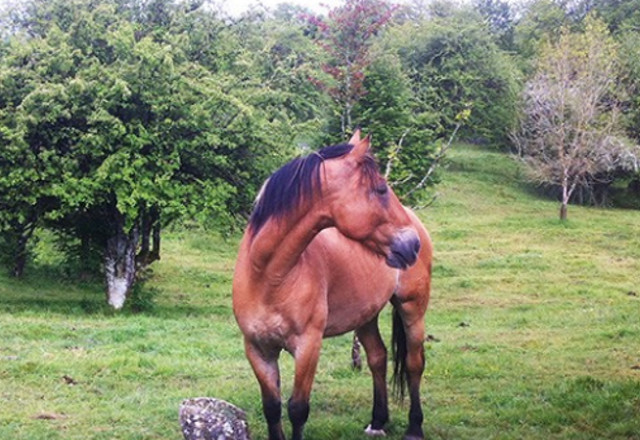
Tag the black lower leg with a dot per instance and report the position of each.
(273, 413)
(380, 414)
(415, 418)
(298, 414)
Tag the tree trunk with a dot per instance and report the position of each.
(21, 256)
(120, 264)
(24, 233)
(150, 230)
(155, 250)
(349, 127)
(566, 195)
(145, 240)
(85, 255)
(563, 211)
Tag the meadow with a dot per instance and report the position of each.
(534, 331)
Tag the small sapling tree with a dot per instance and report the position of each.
(570, 133)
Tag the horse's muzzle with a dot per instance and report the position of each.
(404, 250)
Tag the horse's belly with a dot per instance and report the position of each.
(347, 317)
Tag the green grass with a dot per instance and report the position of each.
(550, 332)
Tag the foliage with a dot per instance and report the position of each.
(500, 20)
(617, 14)
(403, 138)
(543, 19)
(277, 61)
(104, 131)
(454, 64)
(121, 117)
(630, 58)
(425, 78)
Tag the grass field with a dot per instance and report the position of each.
(535, 325)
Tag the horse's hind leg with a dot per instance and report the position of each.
(412, 315)
(265, 367)
(369, 336)
(415, 368)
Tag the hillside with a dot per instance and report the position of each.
(535, 329)
(552, 346)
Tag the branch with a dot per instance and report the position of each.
(427, 204)
(394, 155)
(436, 161)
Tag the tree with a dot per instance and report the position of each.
(346, 36)
(277, 60)
(454, 65)
(541, 19)
(26, 170)
(499, 19)
(405, 135)
(570, 133)
(617, 14)
(118, 122)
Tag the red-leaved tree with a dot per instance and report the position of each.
(346, 35)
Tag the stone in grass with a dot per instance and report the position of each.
(205, 418)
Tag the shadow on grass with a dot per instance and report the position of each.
(98, 307)
(39, 292)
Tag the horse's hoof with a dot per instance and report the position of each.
(374, 432)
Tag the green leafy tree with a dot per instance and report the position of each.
(277, 61)
(27, 171)
(127, 124)
(499, 19)
(617, 14)
(630, 57)
(541, 20)
(455, 65)
(405, 139)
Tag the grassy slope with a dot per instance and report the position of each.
(553, 332)
(537, 333)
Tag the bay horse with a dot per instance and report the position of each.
(327, 246)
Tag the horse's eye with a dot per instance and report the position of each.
(382, 189)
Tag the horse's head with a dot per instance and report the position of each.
(363, 207)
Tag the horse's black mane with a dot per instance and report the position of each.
(294, 182)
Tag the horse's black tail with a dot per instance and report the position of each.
(399, 353)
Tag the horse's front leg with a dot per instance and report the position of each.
(265, 366)
(369, 336)
(306, 353)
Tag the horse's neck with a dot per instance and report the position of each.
(277, 247)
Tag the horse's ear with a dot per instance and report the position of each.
(361, 148)
(355, 137)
